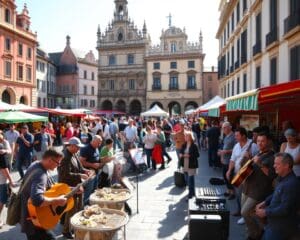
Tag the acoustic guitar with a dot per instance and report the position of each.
(243, 174)
(47, 217)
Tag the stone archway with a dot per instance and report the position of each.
(174, 108)
(135, 108)
(121, 106)
(8, 96)
(156, 103)
(23, 100)
(107, 105)
(190, 105)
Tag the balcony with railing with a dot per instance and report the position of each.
(122, 93)
(292, 21)
(156, 87)
(237, 64)
(173, 86)
(256, 48)
(271, 37)
(231, 69)
(191, 87)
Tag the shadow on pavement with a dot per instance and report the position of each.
(177, 216)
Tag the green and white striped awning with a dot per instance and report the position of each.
(244, 102)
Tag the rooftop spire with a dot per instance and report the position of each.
(170, 19)
(68, 40)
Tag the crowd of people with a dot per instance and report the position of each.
(271, 192)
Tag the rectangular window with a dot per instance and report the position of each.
(93, 90)
(173, 82)
(29, 53)
(112, 60)
(238, 85)
(130, 59)
(273, 14)
(225, 91)
(257, 77)
(258, 28)
(156, 65)
(244, 47)
(228, 89)
(7, 16)
(232, 22)
(273, 71)
(20, 72)
(173, 65)
(232, 88)
(92, 103)
(43, 83)
(244, 5)
(237, 12)
(228, 29)
(28, 74)
(93, 76)
(245, 82)
(85, 74)
(85, 90)
(191, 64)
(7, 67)
(295, 63)
(191, 84)
(131, 84)
(7, 44)
(232, 59)
(20, 49)
(156, 83)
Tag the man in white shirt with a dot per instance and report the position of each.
(105, 126)
(131, 135)
(11, 136)
(244, 146)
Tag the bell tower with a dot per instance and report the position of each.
(121, 10)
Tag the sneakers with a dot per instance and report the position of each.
(68, 235)
(241, 221)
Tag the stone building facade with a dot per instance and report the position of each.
(210, 84)
(76, 84)
(174, 72)
(259, 44)
(17, 55)
(121, 67)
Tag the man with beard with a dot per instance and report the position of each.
(258, 185)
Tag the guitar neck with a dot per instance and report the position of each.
(75, 189)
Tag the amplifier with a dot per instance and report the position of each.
(212, 207)
(203, 227)
(209, 193)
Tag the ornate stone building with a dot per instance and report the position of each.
(17, 55)
(174, 72)
(121, 68)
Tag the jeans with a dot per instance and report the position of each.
(213, 156)
(89, 188)
(23, 160)
(41, 234)
(116, 142)
(190, 180)
(238, 194)
(165, 152)
(178, 152)
(149, 158)
(254, 229)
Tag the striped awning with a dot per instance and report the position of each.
(244, 102)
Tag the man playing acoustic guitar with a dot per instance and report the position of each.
(35, 188)
(258, 185)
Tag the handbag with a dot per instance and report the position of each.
(157, 154)
(14, 203)
(179, 178)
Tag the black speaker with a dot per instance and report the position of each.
(212, 207)
(205, 227)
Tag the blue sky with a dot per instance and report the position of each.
(54, 19)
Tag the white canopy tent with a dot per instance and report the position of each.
(216, 101)
(155, 111)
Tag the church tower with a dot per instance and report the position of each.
(122, 70)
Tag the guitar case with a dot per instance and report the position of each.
(179, 179)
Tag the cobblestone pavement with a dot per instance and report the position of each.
(162, 207)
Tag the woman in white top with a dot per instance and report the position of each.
(149, 141)
(292, 147)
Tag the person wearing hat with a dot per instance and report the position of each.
(72, 172)
(293, 148)
(42, 141)
(24, 149)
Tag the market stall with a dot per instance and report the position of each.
(155, 111)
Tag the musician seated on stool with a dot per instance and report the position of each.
(258, 185)
(35, 188)
(281, 207)
(89, 158)
(72, 172)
